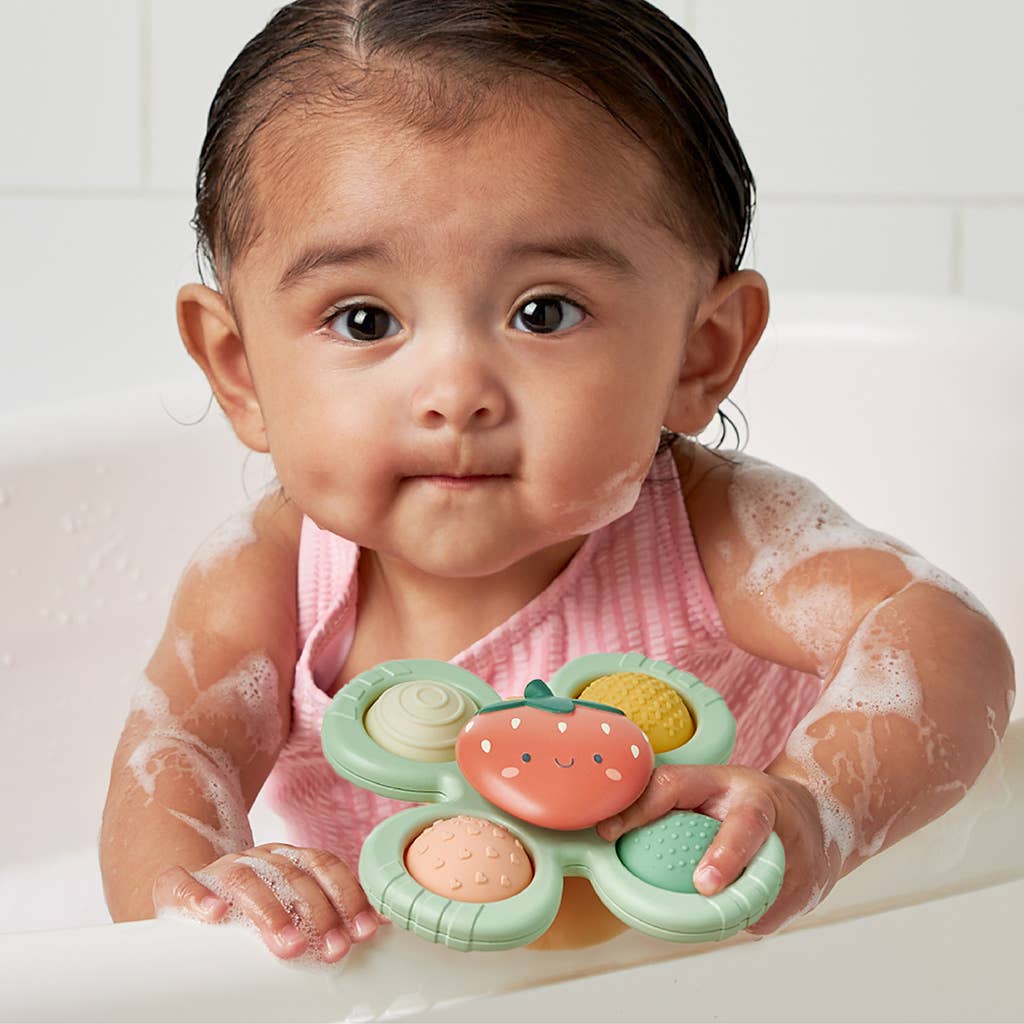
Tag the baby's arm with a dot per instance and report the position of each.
(207, 723)
(917, 685)
(918, 681)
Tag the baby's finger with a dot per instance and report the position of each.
(340, 886)
(175, 887)
(741, 835)
(249, 880)
(671, 786)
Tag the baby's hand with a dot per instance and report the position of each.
(750, 804)
(296, 897)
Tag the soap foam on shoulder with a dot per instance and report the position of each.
(227, 539)
(786, 519)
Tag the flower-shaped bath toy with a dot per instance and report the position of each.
(523, 782)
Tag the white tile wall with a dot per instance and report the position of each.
(193, 45)
(90, 305)
(885, 140)
(875, 245)
(917, 99)
(894, 128)
(70, 94)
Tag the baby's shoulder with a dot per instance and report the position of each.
(790, 570)
(246, 568)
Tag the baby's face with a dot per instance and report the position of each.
(443, 368)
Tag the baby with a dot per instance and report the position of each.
(390, 194)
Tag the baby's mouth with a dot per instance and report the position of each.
(572, 761)
(461, 482)
(455, 476)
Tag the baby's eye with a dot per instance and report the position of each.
(540, 315)
(598, 758)
(526, 758)
(362, 319)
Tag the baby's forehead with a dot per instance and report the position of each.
(521, 176)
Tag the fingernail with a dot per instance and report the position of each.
(210, 904)
(289, 936)
(364, 925)
(336, 943)
(708, 880)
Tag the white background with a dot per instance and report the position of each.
(885, 138)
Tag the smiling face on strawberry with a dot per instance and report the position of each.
(553, 761)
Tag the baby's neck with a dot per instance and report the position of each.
(426, 616)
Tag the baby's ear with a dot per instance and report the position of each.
(210, 333)
(726, 328)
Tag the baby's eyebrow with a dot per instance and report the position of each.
(579, 248)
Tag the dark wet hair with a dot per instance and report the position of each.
(439, 66)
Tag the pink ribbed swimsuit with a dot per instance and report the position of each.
(636, 584)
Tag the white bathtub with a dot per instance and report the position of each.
(879, 399)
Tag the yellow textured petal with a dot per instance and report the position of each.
(649, 702)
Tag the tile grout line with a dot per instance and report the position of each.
(950, 199)
(92, 192)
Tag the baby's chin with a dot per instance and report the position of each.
(462, 556)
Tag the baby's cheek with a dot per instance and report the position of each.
(510, 772)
